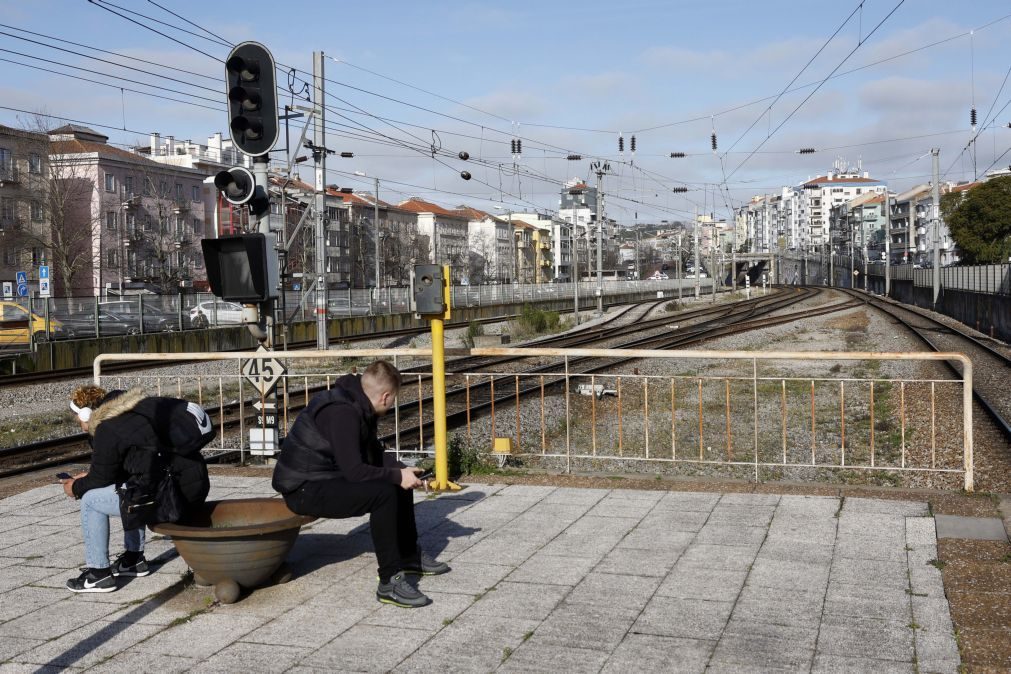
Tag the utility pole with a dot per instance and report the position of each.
(696, 241)
(601, 169)
(936, 217)
(319, 154)
(888, 242)
(574, 266)
(680, 277)
(375, 217)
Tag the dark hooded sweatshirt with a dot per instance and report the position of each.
(124, 422)
(335, 437)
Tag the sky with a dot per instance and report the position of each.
(879, 82)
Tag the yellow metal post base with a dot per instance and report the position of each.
(449, 486)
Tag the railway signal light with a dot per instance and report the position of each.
(252, 98)
(241, 268)
(238, 187)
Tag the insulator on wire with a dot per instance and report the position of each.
(621, 143)
(512, 146)
(464, 155)
(574, 157)
(713, 138)
(680, 189)
(632, 144)
(465, 175)
(677, 155)
(806, 150)
(972, 117)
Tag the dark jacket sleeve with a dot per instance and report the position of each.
(340, 424)
(105, 464)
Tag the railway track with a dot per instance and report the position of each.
(712, 322)
(991, 366)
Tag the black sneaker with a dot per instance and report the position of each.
(131, 564)
(424, 565)
(93, 580)
(400, 593)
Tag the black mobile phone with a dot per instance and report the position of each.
(63, 476)
(427, 475)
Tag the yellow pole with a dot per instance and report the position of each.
(439, 392)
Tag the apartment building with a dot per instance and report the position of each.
(25, 194)
(135, 224)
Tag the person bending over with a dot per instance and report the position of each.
(118, 422)
(333, 465)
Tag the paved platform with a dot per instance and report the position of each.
(544, 579)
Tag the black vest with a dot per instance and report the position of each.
(306, 454)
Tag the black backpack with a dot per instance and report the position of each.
(152, 494)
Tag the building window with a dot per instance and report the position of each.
(34, 163)
(36, 211)
(198, 227)
(131, 259)
(196, 193)
(37, 256)
(6, 161)
(128, 186)
(147, 186)
(110, 182)
(163, 189)
(7, 210)
(112, 256)
(180, 227)
(181, 260)
(131, 222)
(110, 220)
(10, 256)
(179, 190)
(148, 226)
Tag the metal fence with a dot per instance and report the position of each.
(987, 279)
(88, 317)
(734, 413)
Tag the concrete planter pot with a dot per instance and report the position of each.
(237, 543)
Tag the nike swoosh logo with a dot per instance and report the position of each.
(88, 584)
(203, 420)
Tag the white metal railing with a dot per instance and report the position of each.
(725, 409)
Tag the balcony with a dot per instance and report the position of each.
(180, 205)
(10, 222)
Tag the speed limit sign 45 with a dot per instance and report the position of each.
(263, 373)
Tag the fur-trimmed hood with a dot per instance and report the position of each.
(113, 408)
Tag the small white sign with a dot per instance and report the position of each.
(44, 287)
(8, 290)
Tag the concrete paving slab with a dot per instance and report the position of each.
(865, 638)
(695, 582)
(863, 547)
(921, 531)
(89, 644)
(750, 499)
(651, 653)
(719, 556)
(886, 507)
(838, 664)
(246, 657)
(796, 550)
(870, 572)
(55, 619)
(519, 600)
(638, 562)
(552, 569)
(200, 637)
(599, 627)
(535, 656)
(688, 501)
(670, 520)
(473, 643)
(974, 528)
(779, 607)
(732, 534)
(614, 590)
(310, 626)
(582, 497)
(10, 647)
(467, 578)
(135, 661)
(685, 618)
(746, 515)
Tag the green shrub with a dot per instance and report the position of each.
(534, 321)
(473, 330)
(465, 459)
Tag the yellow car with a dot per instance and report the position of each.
(16, 324)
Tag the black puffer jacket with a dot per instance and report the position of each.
(335, 437)
(128, 421)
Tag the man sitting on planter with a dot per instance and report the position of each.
(333, 465)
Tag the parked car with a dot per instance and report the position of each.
(17, 324)
(109, 324)
(155, 319)
(215, 312)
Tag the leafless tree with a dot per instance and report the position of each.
(162, 243)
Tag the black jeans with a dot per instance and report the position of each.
(390, 509)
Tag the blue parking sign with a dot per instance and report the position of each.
(21, 277)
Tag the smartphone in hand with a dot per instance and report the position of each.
(427, 475)
(63, 476)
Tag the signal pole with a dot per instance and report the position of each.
(695, 233)
(319, 155)
(601, 169)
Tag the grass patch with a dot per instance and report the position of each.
(465, 459)
(474, 329)
(938, 564)
(534, 321)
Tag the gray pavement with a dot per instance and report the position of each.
(544, 579)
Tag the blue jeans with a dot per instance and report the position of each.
(97, 506)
